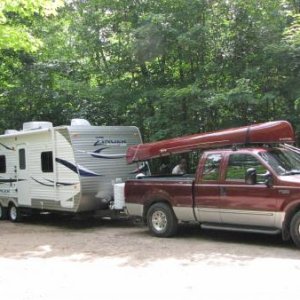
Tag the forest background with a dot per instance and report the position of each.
(170, 67)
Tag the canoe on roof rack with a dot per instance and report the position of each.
(265, 133)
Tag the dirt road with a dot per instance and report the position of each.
(48, 257)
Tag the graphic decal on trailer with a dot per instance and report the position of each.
(51, 183)
(139, 169)
(10, 180)
(97, 154)
(77, 169)
(8, 148)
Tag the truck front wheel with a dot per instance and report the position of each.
(295, 229)
(161, 220)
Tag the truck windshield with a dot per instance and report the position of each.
(282, 161)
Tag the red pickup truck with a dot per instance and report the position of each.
(252, 186)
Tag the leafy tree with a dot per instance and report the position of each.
(170, 67)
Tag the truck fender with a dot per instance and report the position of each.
(153, 197)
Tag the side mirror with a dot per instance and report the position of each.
(269, 180)
(250, 177)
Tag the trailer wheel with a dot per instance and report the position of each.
(3, 212)
(161, 220)
(295, 229)
(14, 213)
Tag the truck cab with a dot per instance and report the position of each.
(248, 187)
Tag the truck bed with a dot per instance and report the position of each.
(176, 189)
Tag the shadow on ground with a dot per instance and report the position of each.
(90, 238)
(185, 231)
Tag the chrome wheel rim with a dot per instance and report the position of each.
(159, 221)
(13, 213)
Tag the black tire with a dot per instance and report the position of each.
(295, 229)
(3, 212)
(161, 220)
(14, 213)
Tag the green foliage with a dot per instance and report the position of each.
(170, 67)
(14, 17)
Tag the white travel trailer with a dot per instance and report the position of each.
(66, 168)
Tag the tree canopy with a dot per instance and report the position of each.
(170, 67)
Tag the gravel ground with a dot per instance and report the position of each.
(48, 257)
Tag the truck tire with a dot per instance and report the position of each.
(3, 212)
(14, 213)
(161, 220)
(295, 229)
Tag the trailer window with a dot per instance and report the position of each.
(47, 161)
(22, 159)
(2, 164)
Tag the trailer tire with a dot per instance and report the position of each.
(14, 213)
(161, 220)
(3, 212)
(295, 229)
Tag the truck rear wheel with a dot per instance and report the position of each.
(3, 212)
(295, 229)
(161, 220)
(14, 213)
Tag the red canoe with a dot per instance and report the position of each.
(264, 133)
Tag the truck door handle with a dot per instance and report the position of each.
(223, 191)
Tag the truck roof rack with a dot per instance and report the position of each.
(265, 133)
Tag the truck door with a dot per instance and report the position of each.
(242, 203)
(207, 189)
(23, 183)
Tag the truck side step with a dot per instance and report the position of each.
(230, 227)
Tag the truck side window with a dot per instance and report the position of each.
(238, 165)
(212, 167)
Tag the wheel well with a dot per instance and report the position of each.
(150, 203)
(287, 221)
(10, 203)
(5, 203)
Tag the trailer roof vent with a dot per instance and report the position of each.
(36, 125)
(80, 122)
(10, 131)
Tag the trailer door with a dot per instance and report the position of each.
(23, 183)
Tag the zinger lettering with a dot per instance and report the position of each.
(109, 142)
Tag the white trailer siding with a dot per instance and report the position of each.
(85, 163)
(102, 151)
(8, 185)
(55, 190)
